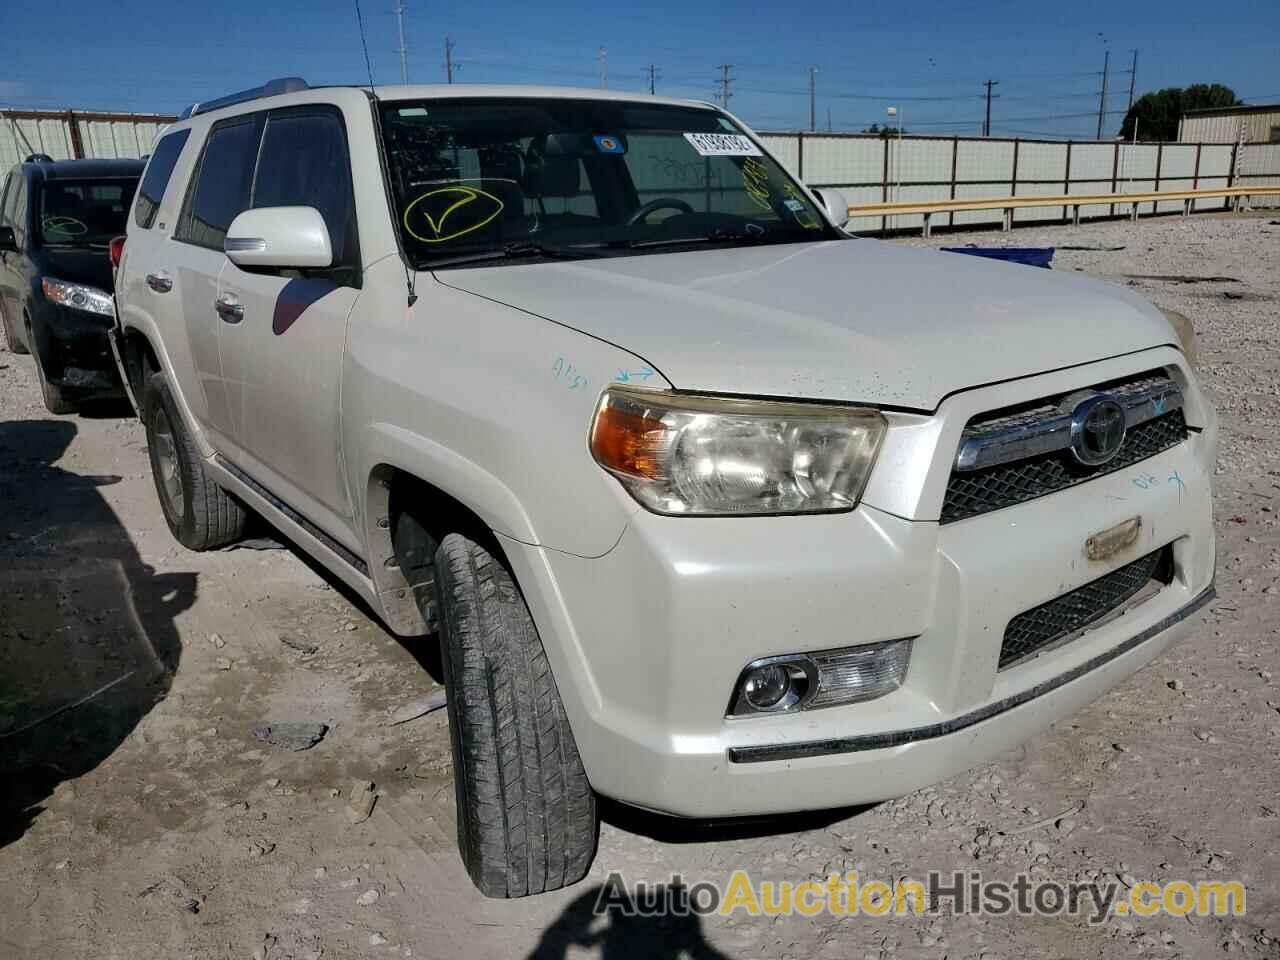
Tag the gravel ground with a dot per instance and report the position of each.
(151, 822)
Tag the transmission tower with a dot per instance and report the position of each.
(725, 80)
(404, 51)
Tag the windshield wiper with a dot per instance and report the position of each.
(514, 251)
(715, 236)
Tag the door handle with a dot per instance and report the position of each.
(160, 282)
(229, 308)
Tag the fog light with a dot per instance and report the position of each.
(825, 678)
(766, 686)
(773, 685)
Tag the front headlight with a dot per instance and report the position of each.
(77, 296)
(707, 456)
(1186, 334)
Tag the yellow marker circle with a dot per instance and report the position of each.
(466, 195)
(68, 225)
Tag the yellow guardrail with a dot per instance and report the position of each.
(927, 208)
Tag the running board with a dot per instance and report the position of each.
(328, 542)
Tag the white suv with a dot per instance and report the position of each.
(719, 510)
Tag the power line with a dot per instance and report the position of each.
(881, 97)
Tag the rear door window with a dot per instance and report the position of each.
(222, 184)
(156, 179)
(18, 211)
(8, 213)
(304, 163)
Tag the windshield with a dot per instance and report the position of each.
(83, 213)
(582, 177)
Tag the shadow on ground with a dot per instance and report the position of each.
(87, 639)
(593, 922)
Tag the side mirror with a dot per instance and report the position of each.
(8, 242)
(279, 237)
(836, 204)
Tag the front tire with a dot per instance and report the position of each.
(200, 514)
(56, 399)
(527, 820)
(11, 334)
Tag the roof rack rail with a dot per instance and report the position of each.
(271, 88)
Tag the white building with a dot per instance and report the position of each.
(1260, 124)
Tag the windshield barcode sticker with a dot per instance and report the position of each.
(722, 145)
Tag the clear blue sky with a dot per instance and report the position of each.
(929, 58)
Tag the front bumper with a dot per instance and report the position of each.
(647, 641)
(74, 348)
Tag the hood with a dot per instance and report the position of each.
(91, 267)
(849, 320)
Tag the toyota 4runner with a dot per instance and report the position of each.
(717, 509)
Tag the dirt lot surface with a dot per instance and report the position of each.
(150, 821)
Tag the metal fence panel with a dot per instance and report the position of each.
(1091, 209)
(839, 161)
(1260, 166)
(67, 134)
(785, 147)
(1215, 160)
(920, 161)
(1094, 163)
(979, 191)
(1137, 162)
(1177, 160)
(985, 160)
(1039, 214)
(1043, 161)
(873, 194)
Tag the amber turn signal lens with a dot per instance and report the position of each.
(628, 442)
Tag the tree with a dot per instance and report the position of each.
(1157, 114)
(885, 131)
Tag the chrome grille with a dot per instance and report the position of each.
(1028, 447)
(1031, 632)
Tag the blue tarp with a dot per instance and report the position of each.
(1031, 256)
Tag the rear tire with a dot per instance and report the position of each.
(11, 334)
(527, 819)
(200, 514)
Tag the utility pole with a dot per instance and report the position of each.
(448, 59)
(404, 52)
(653, 79)
(813, 101)
(986, 127)
(828, 119)
(725, 79)
(1133, 77)
(603, 57)
(1102, 100)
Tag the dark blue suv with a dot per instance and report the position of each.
(57, 219)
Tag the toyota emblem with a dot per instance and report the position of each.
(1097, 430)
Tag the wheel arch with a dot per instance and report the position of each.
(406, 515)
(139, 357)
